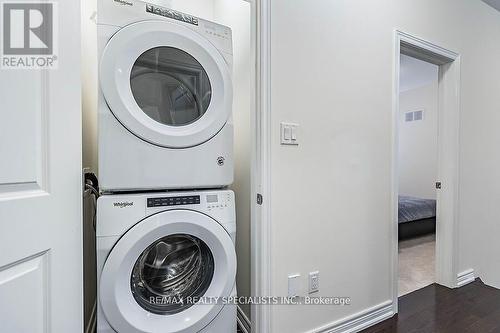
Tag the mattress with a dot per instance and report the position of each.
(414, 209)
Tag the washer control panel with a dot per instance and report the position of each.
(218, 201)
(217, 204)
(174, 201)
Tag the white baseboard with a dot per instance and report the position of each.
(465, 277)
(243, 321)
(91, 325)
(360, 320)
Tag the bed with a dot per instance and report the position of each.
(416, 216)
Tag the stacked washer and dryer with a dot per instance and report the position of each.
(165, 222)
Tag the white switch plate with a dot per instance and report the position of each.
(313, 282)
(293, 285)
(289, 134)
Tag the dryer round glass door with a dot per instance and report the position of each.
(166, 84)
(160, 271)
(170, 86)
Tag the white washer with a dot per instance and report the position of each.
(165, 99)
(154, 250)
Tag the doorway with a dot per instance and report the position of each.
(417, 161)
(446, 166)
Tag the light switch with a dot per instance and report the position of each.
(289, 135)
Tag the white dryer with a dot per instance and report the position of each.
(165, 99)
(156, 250)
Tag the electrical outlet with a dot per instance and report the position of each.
(313, 282)
(293, 285)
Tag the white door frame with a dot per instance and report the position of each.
(261, 166)
(448, 159)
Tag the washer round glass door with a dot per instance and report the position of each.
(172, 270)
(155, 275)
(166, 84)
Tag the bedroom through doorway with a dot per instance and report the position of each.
(418, 172)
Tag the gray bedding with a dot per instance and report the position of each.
(413, 209)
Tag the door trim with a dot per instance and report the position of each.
(448, 159)
(261, 261)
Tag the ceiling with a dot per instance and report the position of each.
(493, 3)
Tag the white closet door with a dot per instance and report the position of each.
(40, 177)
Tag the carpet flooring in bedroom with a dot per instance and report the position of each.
(416, 263)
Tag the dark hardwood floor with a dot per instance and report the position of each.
(472, 308)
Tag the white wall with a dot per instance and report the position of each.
(418, 150)
(332, 73)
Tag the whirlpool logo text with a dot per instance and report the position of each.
(123, 204)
